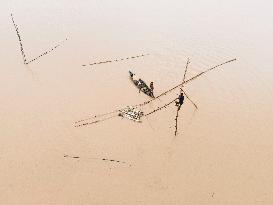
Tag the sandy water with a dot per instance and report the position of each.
(223, 151)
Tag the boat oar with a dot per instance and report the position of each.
(190, 100)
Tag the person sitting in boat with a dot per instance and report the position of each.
(152, 86)
(136, 82)
(180, 101)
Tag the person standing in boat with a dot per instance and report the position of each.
(180, 101)
(152, 88)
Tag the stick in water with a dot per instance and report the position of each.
(184, 77)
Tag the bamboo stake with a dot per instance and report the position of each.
(116, 60)
(186, 81)
(46, 52)
(20, 40)
(22, 49)
(183, 82)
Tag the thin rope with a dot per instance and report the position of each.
(160, 108)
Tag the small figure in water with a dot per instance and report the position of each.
(180, 101)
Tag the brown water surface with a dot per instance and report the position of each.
(223, 152)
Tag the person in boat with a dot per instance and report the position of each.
(136, 82)
(152, 86)
(180, 101)
(131, 74)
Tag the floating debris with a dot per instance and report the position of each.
(94, 158)
(131, 113)
(182, 91)
(116, 60)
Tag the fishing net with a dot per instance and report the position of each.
(131, 113)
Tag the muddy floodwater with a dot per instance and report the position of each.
(223, 150)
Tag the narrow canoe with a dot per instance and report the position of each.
(141, 85)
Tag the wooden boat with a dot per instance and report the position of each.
(141, 85)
